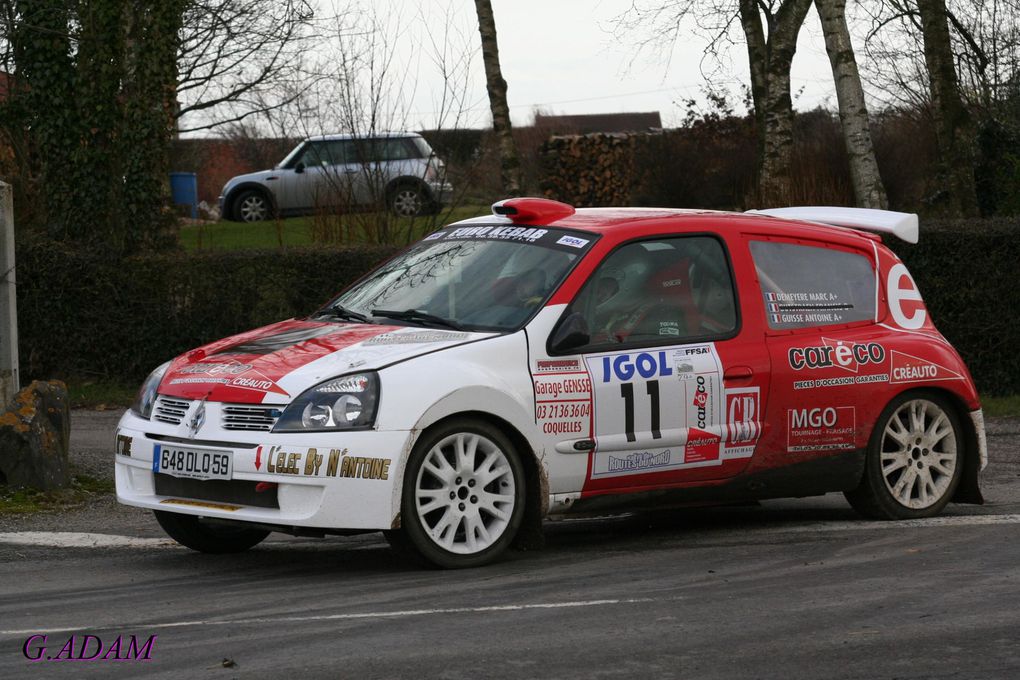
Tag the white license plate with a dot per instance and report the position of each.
(191, 463)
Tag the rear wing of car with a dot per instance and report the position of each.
(902, 225)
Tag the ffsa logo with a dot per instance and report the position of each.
(646, 364)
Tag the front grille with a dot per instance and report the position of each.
(256, 418)
(217, 490)
(169, 410)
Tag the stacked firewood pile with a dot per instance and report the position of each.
(596, 169)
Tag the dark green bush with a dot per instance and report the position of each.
(969, 274)
(86, 314)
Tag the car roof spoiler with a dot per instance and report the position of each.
(901, 225)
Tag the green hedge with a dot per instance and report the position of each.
(969, 274)
(81, 314)
(85, 314)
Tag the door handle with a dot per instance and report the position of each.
(738, 373)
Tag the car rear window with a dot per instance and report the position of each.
(806, 286)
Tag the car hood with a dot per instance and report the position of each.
(257, 177)
(274, 364)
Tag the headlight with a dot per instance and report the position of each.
(147, 395)
(342, 403)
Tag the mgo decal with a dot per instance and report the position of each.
(849, 356)
(828, 428)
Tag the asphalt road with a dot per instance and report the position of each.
(791, 589)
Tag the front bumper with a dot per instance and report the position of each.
(340, 481)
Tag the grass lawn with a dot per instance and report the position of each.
(22, 500)
(1001, 406)
(298, 231)
(101, 394)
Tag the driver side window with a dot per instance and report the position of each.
(662, 291)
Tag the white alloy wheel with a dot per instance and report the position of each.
(914, 460)
(918, 453)
(407, 201)
(465, 493)
(252, 207)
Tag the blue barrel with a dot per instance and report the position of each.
(184, 190)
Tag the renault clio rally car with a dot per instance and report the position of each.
(544, 361)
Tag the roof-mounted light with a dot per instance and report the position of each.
(532, 210)
(901, 225)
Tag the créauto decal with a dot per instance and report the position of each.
(846, 355)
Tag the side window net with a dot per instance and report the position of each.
(809, 286)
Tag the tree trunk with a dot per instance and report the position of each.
(150, 99)
(955, 193)
(494, 83)
(853, 112)
(44, 96)
(770, 60)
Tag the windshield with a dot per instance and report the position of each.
(290, 156)
(477, 278)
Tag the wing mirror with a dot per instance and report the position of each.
(299, 168)
(571, 333)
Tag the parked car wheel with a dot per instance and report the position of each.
(252, 206)
(190, 532)
(463, 496)
(408, 200)
(914, 459)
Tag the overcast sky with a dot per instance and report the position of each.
(561, 57)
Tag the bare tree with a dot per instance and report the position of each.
(853, 111)
(238, 58)
(953, 130)
(770, 30)
(496, 86)
(771, 58)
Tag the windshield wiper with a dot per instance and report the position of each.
(418, 315)
(341, 312)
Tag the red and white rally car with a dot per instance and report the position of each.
(544, 361)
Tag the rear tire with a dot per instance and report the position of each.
(463, 497)
(914, 459)
(190, 532)
(408, 200)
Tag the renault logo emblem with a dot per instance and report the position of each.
(197, 420)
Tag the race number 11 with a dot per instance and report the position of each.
(627, 392)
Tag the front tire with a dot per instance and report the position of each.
(914, 459)
(463, 497)
(190, 532)
(252, 206)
